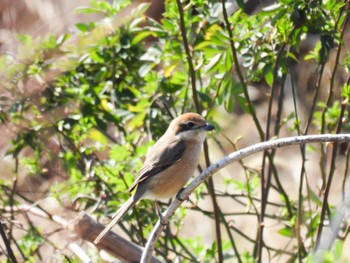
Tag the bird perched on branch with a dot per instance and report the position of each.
(169, 164)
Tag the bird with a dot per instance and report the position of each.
(169, 164)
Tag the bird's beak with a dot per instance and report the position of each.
(208, 127)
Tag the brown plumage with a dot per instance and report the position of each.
(169, 164)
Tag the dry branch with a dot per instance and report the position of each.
(87, 228)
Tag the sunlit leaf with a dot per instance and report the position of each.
(82, 27)
(97, 136)
(269, 77)
(286, 231)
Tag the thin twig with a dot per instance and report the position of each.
(211, 190)
(239, 72)
(329, 181)
(347, 163)
(330, 177)
(336, 64)
(302, 175)
(338, 130)
(265, 187)
(323, 161)
(192, 71)
(6, 241)
(273, 90)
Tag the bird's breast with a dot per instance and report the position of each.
(169, 182)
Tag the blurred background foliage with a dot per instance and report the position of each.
(79, 111)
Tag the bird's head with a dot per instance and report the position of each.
(190, 127)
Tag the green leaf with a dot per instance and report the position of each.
(25, 39)
(229, 97)
(137, 120)
(85, 10)
(63, 38)
(345, 92)
(141, 36)
(286, 231)
(119, 153)
(98, 136)
(140, 9)
(269, 77)
(82, 27)
(292, 56)
(314, 197)
(337, 249)
(243, 103)
(214, 64)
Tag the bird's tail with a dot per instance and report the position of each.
(116, 217)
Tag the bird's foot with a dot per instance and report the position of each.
(179, 194)
(160, 215)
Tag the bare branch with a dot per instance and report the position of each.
(88, 229)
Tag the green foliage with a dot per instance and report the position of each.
(113, 93)
(334, 255)
(29, 244)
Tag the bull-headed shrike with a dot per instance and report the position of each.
(169, 164)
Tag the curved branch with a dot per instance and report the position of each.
(232, 157)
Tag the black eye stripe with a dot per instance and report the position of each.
(184, 127)
(189, 126)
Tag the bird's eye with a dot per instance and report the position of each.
(190, 124)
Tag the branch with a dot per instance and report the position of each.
(239, 71)
(7, 242)
(232, 157)
(192, 71)
(87, 229)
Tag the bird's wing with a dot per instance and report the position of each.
(162, 155)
